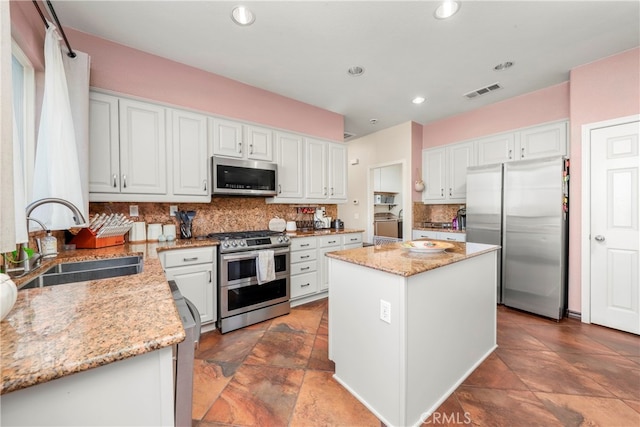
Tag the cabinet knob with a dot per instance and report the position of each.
(332, 191)
(240, 147)
(324, 191)
(124, 181)
(522, 153)
(510, 154)
(279, 189)
(204, 185)
(442, 192)
(250, 148)
(450, 192)
(115, 180)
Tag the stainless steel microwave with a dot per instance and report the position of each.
(243, 177)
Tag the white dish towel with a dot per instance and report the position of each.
(265, 267)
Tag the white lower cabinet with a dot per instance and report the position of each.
(438, 235)
(309, 266)
(194, 271)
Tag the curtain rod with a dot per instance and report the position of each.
(71, 53)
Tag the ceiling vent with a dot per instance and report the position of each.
(348, 136)
(482, 91)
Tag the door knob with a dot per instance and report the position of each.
(599, 238)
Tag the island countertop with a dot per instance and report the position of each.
(59, 330)
(395, 259)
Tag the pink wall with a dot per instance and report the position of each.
(129, 71)
(416, 158)
(541, 106)
(602, 90)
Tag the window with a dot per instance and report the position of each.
(23, 79)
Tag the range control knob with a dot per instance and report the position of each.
(241, 243)
(234, 243)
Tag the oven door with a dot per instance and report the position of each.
(239, 288)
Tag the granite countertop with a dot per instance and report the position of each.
(395, 259)
(445, 230)
(322, 232)
(59, 330)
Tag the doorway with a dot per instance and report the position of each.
(611, 237)
(387, 202)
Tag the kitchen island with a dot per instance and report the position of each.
(406, 328)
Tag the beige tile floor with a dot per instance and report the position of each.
(544, 373)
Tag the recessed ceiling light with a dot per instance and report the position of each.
(418, 100)
(446, 9)
(503, 66)
(241, 15)
(373, 121)
(355, 71)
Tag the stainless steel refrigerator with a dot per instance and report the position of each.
(523, 206)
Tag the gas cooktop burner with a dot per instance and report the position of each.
(236, 241)
(243, 234)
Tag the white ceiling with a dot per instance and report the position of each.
(302, 49)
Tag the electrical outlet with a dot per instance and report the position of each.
(133, 210)
(173, 210)
(385, 311)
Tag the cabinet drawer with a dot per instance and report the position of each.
(304, 267)
(303, 256)
(350, 239)
(304, 284)
(452, 237)
(328, 241)
(180, 257)
(424, 234)
(303, 243)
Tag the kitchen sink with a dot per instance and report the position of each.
(80, 271)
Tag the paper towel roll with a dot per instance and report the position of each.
(138, 232)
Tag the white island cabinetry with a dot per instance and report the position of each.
(410, 330)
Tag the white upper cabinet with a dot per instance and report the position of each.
(445, 172)
(190, 160)
(104, 144)
(388, 179)
(531, 143)
(496, 149)
(140, 151)
(337, 175)
(543, 141)
(234, 139)
(326, 171)
(290, 160)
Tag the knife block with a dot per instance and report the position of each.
(86, 239)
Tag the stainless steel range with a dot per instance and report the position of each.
(242, 301)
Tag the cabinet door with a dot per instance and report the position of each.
(337, 172)
(543, 141)
(460, 157)
(433, 167)
(190, 160)
(496, 149)
(259, 143)
(104, 144)
(143, 148)
(391, 179)
(377, 179)
(289, 149)
(227, 138)
(316, 165)
(424, 234)
(196, 283)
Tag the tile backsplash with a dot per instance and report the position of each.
(222, 214)
(434, 213)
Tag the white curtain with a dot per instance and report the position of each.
(57, 170)
(7, 219)
(22, 236)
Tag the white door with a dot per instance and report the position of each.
(615, 296)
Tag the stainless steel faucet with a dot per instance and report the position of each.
(78, 218)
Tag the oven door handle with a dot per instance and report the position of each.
(252, 254)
